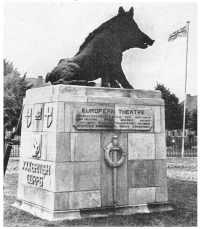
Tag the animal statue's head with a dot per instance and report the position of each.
(127, 29)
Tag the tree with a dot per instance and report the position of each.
(14, 91)
(173, 113)
(192, 121)
(8, 68)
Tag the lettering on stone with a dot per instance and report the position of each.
(49, 116)
(133, 118)
(35, 180)
(36, 172)
(93, 117)
(118, 118)
(28, 117)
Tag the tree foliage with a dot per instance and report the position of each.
(8, 69)
(14, 91)
(192, 120)
(173, 113)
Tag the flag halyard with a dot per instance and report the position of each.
(182, 32)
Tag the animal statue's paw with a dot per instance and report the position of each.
(59, 82)
(105, 85)
(91, 84)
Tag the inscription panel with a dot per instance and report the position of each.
(87, 117)
(93, 117)
(133, 118)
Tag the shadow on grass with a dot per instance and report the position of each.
(182, 194)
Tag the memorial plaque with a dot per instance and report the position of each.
(133, 118)
(103, 117)
(93, 117)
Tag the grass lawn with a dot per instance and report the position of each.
(182, 194)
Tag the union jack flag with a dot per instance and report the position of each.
(182, 32)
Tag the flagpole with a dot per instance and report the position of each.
(182, 153)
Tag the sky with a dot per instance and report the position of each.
(37, 35)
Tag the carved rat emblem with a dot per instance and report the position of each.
(36, 148)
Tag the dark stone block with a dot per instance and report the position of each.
(141, 173)
(86, 176)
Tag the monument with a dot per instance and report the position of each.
(94, 151)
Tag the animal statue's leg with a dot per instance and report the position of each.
(121, 78)
(113, 83)
(104, 80)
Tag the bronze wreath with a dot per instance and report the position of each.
(108, 159)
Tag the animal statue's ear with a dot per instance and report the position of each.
(121, 11)
(131, 12)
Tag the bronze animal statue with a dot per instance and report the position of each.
(100, 55)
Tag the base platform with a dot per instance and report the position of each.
(91, 213)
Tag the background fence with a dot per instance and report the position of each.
(15, 151)
(174, 146)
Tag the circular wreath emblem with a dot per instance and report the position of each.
(111, 148)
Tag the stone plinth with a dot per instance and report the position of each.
(64, 171)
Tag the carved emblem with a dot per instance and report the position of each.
(49, 116)
(28, 117)
(38, 115)
(114, 148)
(36, 147)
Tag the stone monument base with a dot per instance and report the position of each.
(91, 213)
(92, 152)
